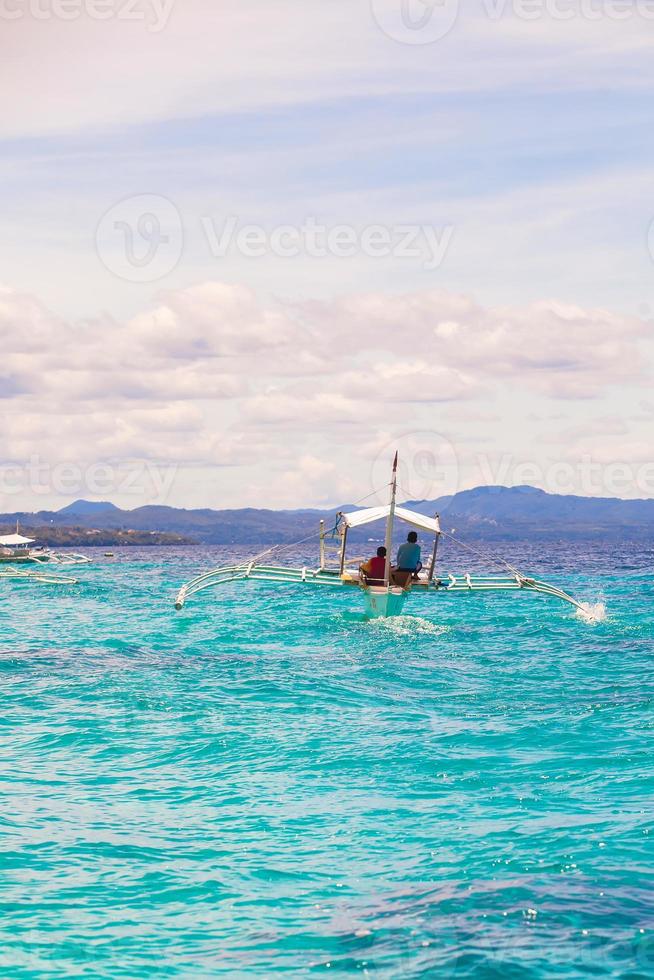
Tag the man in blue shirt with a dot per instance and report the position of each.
(408, 555)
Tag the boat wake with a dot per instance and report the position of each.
(409, 626)
(592, 612)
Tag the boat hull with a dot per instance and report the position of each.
(382, 602)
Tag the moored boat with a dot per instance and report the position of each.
(17, 549)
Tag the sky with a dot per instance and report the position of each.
(251, 248)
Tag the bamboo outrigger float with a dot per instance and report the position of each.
(8, 572)
(381, 600)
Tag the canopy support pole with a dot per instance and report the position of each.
(322, 544)
(432, 566)
(343, 546)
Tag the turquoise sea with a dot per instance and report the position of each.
(267, 785)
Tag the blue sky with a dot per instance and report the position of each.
(508, 168)
(279, 380)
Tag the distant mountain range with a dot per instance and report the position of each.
(485, 512)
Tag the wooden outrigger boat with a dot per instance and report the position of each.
(381, 600)
(15, 548)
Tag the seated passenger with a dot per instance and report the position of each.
(374, 570)
(408, 556)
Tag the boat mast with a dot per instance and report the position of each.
(343, 549)
(389, 525)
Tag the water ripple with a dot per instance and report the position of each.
(269, 784)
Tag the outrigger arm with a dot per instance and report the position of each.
(332, 579)
(258, 573)
(24, 575)
(479, 583)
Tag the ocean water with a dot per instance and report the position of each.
(268, 785)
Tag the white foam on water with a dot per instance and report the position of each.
(592, 612)
(409, 626)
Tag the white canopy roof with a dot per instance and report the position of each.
(370, 514)
(13, 539)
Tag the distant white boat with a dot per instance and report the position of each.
(17, 548)
(14, 547)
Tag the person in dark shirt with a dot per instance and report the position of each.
(374, 570)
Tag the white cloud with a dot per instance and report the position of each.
(373, 368)
(208, 321)
(562, 350)
(407, 381)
